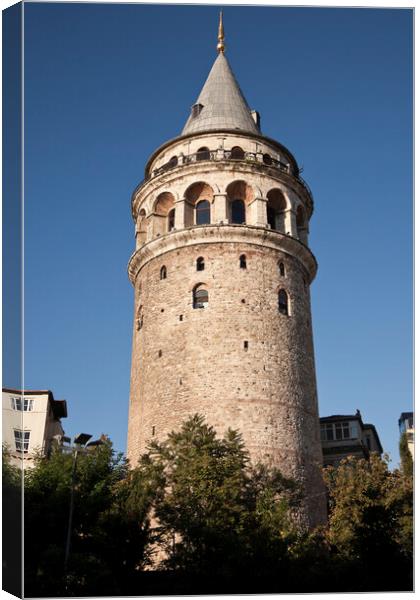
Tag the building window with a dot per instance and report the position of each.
(238, 212)
(20, 403)
(173, 162)
(22, 440)
(338, 431)
(200, 263)
(283, 303)
(163, 272)
(171, 219)
(200, 297)
(139, 320)
(196, 110)
(202, 212)
(237, 153)
(242, 261)
(203, 153)
(281, 269)
(267, 159)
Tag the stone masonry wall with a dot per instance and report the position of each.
(188, 360)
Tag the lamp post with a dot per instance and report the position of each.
(79, 443)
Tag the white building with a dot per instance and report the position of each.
(31, 422)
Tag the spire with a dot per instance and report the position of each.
(221, 103)
(221, 35)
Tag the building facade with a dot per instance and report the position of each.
(221, 275)
(31, 423)
(347, 435)
(406, 425)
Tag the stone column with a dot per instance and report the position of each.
(220, 209)
(290, 223)
(257, 211)
(180, 214)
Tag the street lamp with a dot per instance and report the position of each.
(79, 444)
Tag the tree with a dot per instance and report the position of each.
(369, 523)
(405, 456)
(106, 539)
(214, 512)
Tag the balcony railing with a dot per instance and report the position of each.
(216, 155)
(255, 158)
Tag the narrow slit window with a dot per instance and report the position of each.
(200, 264)
(281, 269)
(163, 272)
(283, 302)
(242, 261)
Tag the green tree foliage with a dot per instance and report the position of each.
(107, 538)
(12, 492)
(405, 456)
(370, 524)
(213, 510)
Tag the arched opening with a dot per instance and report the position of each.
(195, 193)
(200, 296)
(242, 261)
(276, 206)
(283, 302)
(237, 208)
(163, 272)
(171, 219)
(281, 269)
(173, 162)
(239, 195)
(164, 205)
(301, 224)
(202, 212)
(267, 159)
(200, 264)
(237, 153)
(203, 153)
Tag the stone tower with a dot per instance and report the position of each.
(221, 273)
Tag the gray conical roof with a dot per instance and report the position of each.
(223, 104)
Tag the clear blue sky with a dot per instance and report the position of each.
(106, 84)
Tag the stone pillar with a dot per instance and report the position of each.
(220, 209)
(290, 223)
(257, 211)
(180, 214)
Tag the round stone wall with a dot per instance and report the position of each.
(238, 361)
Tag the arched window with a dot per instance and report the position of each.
(237, 153)
(276, 206)
(163, 272)
(200, 296)
(238, 211)
(171, 219)
(283, 303)
(281, 269)
(242, 261)
(200, 263)
(202, 212)
(267, 159)
(173, 162)
(203, 153)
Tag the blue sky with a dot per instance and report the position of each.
(107, 84)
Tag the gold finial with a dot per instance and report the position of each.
(221, 35)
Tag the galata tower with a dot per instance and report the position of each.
(221, 275)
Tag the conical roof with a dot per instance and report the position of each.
(223, 105)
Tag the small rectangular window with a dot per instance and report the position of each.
(19, 403)
(245, 345)
(22, 440)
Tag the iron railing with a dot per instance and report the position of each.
(256, 158)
